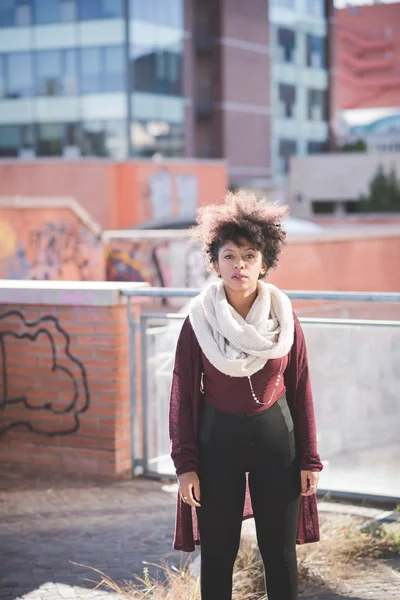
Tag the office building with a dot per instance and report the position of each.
(243, 81)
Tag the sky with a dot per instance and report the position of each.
(342, 3)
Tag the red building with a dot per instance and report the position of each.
(368, 56)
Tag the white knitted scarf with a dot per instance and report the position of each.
(241, 347)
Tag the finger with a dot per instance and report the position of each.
(191, 500)
(303, 481)
(197, 490)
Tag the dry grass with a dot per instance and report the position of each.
(344, 548)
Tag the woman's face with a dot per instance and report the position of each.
(240, 266)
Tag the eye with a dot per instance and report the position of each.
(228, 256)
(250, 255)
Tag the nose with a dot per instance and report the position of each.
(239, 263)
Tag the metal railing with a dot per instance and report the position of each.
(157, 349)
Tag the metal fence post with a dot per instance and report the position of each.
(145, 395)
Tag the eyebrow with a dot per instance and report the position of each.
(231, 250)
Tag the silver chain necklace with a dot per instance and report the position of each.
(273, 391)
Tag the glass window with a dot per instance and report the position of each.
(90, 70)
(15, 13)
(161, 12)
(104, 138)
(54, 11)
(19, 67)
(286, 44)
(287, 100)
(2, 75)
(27, 137)
(316, 7)
(317, 105)
(100, 9)
(23, 12)
(9, 140)
(158, 71)
(102, 69)
(70, 72)
(287, 148)
(93, 138)
(116, 139)
(316, 52)
(113, 63)
(157, 137)
(50, 139)
(315, 147)
(49, 73)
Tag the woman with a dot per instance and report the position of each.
(242, 424)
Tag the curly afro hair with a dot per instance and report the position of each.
(242, 216)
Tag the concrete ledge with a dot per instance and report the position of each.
(66, 293)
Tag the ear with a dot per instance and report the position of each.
(216, 268)
(264, 269)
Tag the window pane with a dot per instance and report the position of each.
(100, 9)
(151, 137)
(90, 70)
(286, 44)
(141, 10)
(157, 71)
(317, 105)
(7, 15)
(27, 136)
(286, 149)
(23, 13)
(2, 75)
(316, 7)
(49, 73)
(50, 139)
(70, 74)
(9, 140)
(116, 142)
(47, 11)
(315, 52)
(68, 11)
(113, 79)
(20, 74)
(287, 100)
(93, 139)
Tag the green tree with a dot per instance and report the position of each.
(384, 193)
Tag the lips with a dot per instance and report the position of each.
(239, 277)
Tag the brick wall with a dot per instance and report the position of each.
(64, 387)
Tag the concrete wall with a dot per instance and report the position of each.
(64, 378)
(333, 177)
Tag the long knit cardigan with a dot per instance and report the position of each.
(185, 402)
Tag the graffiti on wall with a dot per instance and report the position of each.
(46, 399)
(162, 264)
(62, 251)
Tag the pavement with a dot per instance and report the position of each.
(54, 532)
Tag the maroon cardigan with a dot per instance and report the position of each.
(186, 398)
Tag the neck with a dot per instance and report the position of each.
(241, 302)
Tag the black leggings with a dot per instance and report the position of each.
(263, 446)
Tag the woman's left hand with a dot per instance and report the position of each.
(309, 477)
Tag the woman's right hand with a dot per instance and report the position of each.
(189, 488)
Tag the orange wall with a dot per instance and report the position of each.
(370, 265)
(48, 244)
(87, 182)
(120, 195)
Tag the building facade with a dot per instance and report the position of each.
(243, 81)
(368, 81)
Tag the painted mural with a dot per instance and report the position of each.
(48, 245)
(164, 263)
